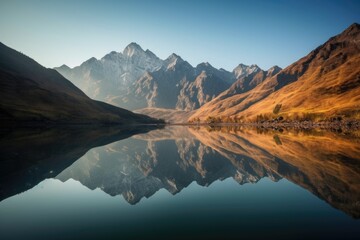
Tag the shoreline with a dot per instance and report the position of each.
(344, 124)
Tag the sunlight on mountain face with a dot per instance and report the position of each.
(180, 119)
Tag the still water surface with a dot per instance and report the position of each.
(179, 183)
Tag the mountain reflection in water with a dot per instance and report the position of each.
(58, 183)
(324, 163)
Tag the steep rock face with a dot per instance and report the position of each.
(324, 83)
(206, 86)
(243, 70)
(136, 79)
(109, 78)
(249, 81)
(33, 94)
(170, 80)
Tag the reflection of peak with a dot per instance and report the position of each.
(170, 159)
(159, 164)
(44, 159)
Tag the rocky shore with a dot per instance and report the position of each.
(333, 124)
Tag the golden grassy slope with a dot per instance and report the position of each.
(325, 82)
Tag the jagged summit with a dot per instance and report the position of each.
(133, 45)
(65, 67)
(172, 61)
(273, 71)
(136, 79)
(352, 29)
(89, 61)
(243, 70)
(241, 65)
(173, 56)
(204, 64)
(274, 68)
(132, 48)
(150, 53)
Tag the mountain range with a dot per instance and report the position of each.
(319, 86)
(323, 84)
(32, 94)
(137, 78)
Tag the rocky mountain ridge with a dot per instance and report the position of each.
(137, 78)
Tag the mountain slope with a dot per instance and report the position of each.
(324, 83)
(32, 93)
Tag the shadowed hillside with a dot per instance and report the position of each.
(32, 94)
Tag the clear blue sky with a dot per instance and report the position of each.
(224, 33)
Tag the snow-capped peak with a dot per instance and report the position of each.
(172, 60)
(132, 48)
(244, 70)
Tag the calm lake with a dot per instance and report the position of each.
(179, 182)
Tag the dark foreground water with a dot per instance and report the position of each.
(179, 183)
